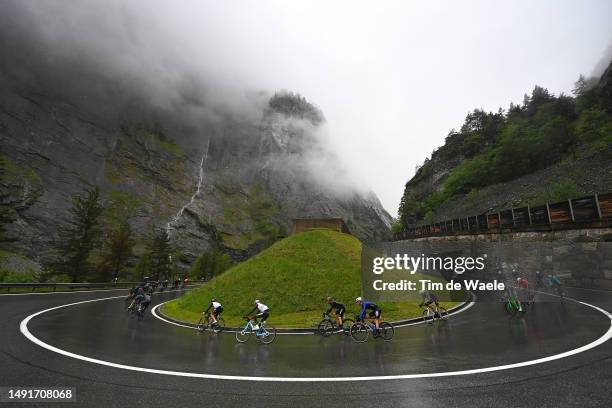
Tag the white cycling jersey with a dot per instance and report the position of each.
(216, 305)
(262, 308)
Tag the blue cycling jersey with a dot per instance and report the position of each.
(365, 306)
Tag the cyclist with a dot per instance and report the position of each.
(145, 302)
(523, 288)
(511, 293)
(429, 298)
(374, 314)
(338, 307)
(539, 279)
(139, 297)
(555, 283)
(262, 311)
(217, 309)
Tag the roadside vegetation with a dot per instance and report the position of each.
(494, 147)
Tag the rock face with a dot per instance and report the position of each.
(168, 145)
(235, 183)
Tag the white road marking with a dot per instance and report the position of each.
(24, 330)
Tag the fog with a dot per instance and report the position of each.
(392, 78)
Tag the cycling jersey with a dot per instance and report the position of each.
(554, 280)
(339, 307)
(523, 283)
(260, 308)
(216, 306)
(365, 305)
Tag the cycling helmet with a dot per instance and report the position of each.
(358, 299)
(329, 299)
(213, 300)
(256, 301)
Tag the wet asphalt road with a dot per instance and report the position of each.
(482, 336)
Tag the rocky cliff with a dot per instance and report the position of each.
(212, 168)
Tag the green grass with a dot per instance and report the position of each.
(292, 277)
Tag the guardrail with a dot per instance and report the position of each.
(70, 286)
(593, 211)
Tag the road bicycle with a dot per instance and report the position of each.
(430, 316)
(205, 323)
(140, 309)
(362, 329)
(264, 332)
(329, 325)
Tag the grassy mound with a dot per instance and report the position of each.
(293, 277)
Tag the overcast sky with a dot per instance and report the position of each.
(392, 77)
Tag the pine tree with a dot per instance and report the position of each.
(160, 252)
(120, 247)
(80, 236)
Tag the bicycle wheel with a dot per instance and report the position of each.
(359, 332)
(443, 313)
(387, 331)
(201, 326)
(346, 326)
(243, 335)
(325, 328)
(219, 326)
(267, 335)
(427, 317)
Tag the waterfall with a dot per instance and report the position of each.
(179, 214)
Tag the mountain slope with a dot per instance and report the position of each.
(550, 148)
(215, 167)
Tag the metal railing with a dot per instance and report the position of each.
(585, 212)
(33, 286)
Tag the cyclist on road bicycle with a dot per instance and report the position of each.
(145, 302)
(513, 297)
(138, 297)
(539, 279)
(337, 307)
(217, 309)
(555, 283)
(373, 315)
(429, 298)
(523, 289)
(262, 311)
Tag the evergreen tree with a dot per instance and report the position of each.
(160, 252)
(80, 236)
(120, 248)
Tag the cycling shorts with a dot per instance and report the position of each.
(217, 311)
(263, 315)
(375, 314)
(340, 312)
